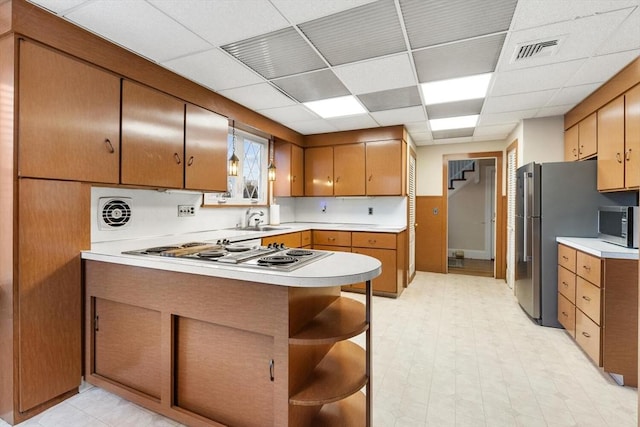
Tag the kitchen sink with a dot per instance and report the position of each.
(261, 228)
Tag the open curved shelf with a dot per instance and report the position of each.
(347, 412)
(339, 374)
(342, 319)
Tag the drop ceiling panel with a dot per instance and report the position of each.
(559, 110)
(140, 27)
(361, 33)
(534, 79)
(600, 68)
(465, 58)
(277, 54)
(399, 116)
(391, 99)
(537, 13)
(497, 132)
(581, 39)
(455, 109)
(222, 22)
(521, 101)
(214, 69)
(626, 36)
(417, 127)
(312, 86)
(572, 94)
(361, 121)
(375, 75)
(288, 115)
(258, 97)
(453, 133)
(429, 22)
(501, 118)
(60, 6)
(298, 11)
(313, 126)
(447, 141)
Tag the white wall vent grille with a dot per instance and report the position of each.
(114, 213)
(538, 49)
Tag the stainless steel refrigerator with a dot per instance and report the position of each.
(553, 199)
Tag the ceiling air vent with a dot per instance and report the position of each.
(537, 49)
(114, 212)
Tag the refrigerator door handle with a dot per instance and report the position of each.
(525, 255)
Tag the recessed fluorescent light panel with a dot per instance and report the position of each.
(470, 87)
(459, 122)
(336, 107)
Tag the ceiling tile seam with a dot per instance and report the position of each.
(547, 24)
(614, 32)
(180, 24)
(420, 49)
(414, 71)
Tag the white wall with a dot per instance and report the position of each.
(429, 163)
(543, 140)
(353, 210)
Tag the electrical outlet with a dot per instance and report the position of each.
(370, 211)
(186, 210)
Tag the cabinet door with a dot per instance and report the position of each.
(388, 279)
(611, 145)
(152, 137)
(290, 240)
(297, 171)
(54, 228)
(384, 168)
(348, 169)
(127, 345)
(588, 137)
(205, 150)
(632, 138)
(68, 119)
(318, 171)
(289, 161)
(571, 144)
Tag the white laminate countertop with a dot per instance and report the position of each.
(340, 268)
(599, 248)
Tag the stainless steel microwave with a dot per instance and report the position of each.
(618, 225)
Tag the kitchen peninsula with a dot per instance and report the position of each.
(222, 344)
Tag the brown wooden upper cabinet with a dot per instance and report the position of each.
(205, 150)
(385, 168)
(367, 168)
(152, 137)
(68, 118)
(318, 169)
(581, 140)
(349, 169)
(632, 138)
(611, 146)
(289, 162)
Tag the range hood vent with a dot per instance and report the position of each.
(114, 213)
(537, 49)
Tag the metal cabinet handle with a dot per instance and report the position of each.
(372, 241)
(293, 178)
(565, 314)
(331, 239)
(109, 146)
(586, 267)
(271, 370)
(628, 155)
(329, 180)
(175, 156)
(566, 285)
(586, 298)
(337, 179)
(586, 335)
(618, 158)
(564, 257)
(370, 178)
(190, 162)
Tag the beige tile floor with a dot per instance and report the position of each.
(453, 350)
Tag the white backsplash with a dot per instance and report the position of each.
(155, 213)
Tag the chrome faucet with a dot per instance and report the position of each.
(249, 215)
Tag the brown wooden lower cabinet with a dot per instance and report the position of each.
(208, 351)
(598, 306)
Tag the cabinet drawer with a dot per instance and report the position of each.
(567, 315)
(588, 336)
(567, 284)
(567, 257)
(374, 240)
(305, 238)
(333, 238)
(588, 299)
(588, 267)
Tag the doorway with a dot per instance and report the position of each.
(495, 219)
(471, 216)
